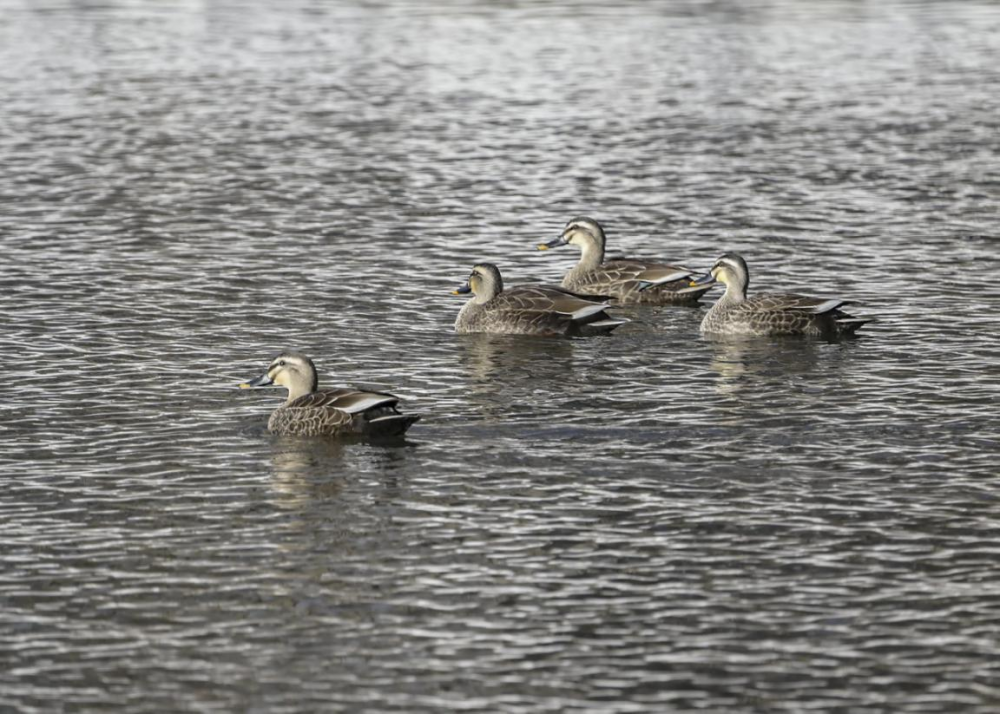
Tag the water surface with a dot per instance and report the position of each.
(653, 521)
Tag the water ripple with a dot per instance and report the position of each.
(655, 520)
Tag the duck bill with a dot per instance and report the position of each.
(261, 381)
(464, 290)
(552, 243)
(706, 279)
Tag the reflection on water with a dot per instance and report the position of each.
(306, 470)
(730, 362)
(652, 521)
(747, 362)
(487, 357)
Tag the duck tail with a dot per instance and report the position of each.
(850, 325)
(391, 425)
(602, 327)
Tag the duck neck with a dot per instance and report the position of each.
(735, 294)
(299, 388)
(591, 256)
(489, 290)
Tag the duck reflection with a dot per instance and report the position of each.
(336, 500)
(304, 470)
(499, 359)
(502, 368)
(760, 364)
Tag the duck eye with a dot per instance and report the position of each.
(281, 363)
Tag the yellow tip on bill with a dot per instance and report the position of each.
(244, 386)
(542, 246)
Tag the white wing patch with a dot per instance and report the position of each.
(670, 278)
(585, 312)
(609, 323)
(368, 402)
(826, 306)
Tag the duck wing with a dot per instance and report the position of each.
(775, 302)
(352, 401)
(549, 299)
(648, 272)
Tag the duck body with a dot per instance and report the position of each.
(780, 314)
(771, 313)
(528, 309)
(630, 281)
(634, 281)
(310, 411)
(339, 412)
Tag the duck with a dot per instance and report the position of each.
(769, 314)
(311, 411)
(629, 281)
(528, 309)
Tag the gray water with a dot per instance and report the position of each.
(651, 521)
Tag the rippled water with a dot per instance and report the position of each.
(649, 521)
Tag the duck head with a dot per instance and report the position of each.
(583, 232)
(730, 270)
(484, 283)
(291, 370)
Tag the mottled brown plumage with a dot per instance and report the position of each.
(627, 280)
(528, 309)
(310, 411)
(770, 313)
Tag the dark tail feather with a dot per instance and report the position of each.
(850, 325)
(392, 425)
